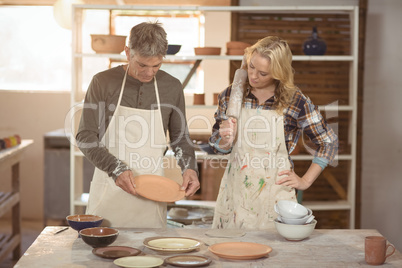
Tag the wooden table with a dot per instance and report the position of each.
(10, 158)
(324, 248)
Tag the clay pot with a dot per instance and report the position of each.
(207, 50)
(235, 51)
(102, 43)
(199, 99)
(237, 45)
(216, 99)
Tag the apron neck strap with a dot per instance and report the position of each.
(122, 87)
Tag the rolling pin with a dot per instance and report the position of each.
(236, 95)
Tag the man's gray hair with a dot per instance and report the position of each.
(148, 39)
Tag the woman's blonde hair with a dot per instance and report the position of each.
(277, 51)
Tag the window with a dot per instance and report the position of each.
(36, 51)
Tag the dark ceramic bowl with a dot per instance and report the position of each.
(173, 49)
(79, 222)
(99, 236)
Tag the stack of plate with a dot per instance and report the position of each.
(172, 244)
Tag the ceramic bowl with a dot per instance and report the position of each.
(294, 232)
(207, 50)
(234, 51)
(79, 222)
(99, 236)
(290, 209)
(299, 221)
(173, 49)
(237, 45)
(106, 43)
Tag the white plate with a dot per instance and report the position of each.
(172, 244)
(138, 261)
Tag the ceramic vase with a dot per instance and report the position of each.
(314, 45)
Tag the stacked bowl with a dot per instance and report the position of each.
(295, 222)
(88, 227)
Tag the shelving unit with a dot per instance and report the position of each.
(10, 201)
(351, 107)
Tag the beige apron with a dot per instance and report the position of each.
(136, 137)
(248, 191)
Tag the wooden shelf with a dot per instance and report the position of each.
(10, 201)
(347, 59)
(328, 205)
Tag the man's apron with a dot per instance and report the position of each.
(248, 191)
(136, 137)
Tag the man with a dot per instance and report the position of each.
(127, 113)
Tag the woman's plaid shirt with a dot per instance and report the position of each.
(301, 116)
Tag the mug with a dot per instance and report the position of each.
(376, 250)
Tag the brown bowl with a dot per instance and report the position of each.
(237, 45)
(207, 50)
(235, 51)
(199, 99)
(99, 236)
(102, 43)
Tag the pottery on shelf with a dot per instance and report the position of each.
(199, 99)
(314, 45)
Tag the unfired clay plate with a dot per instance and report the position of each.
(158, 188)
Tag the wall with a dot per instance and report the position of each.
(31, 115)
(382, 123)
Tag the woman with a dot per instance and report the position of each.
(273, 115)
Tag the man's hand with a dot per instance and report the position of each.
(126, 182)
(190, 182)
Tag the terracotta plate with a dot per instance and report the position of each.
(172, 244)
(158, 188)
(240, 250)
(138, 261)
(114, 252)
(188, 261)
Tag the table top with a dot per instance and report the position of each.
(324, 248)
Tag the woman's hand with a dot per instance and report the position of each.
(303, 183)
(293, 180)
(228, 131)
(190, 182)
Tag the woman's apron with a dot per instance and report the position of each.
(248, 191)
(136, 137)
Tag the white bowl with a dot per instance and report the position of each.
(299, 221)
(295, 232)
(290, 209)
